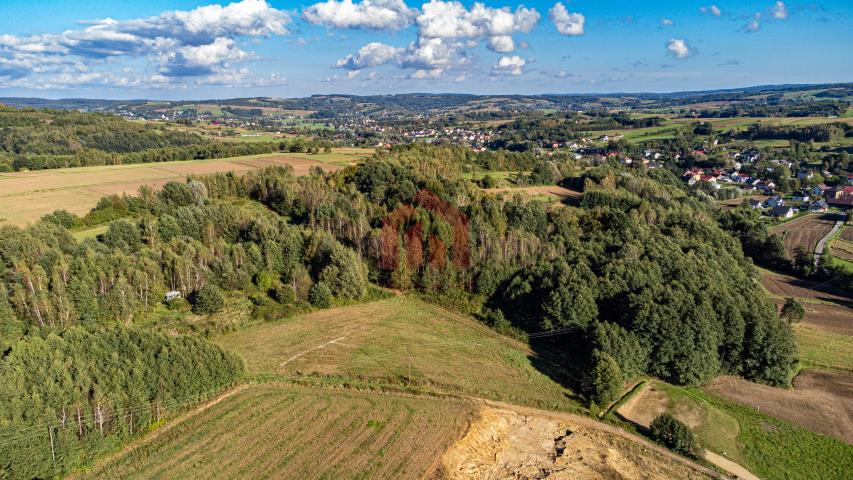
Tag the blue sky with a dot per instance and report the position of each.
(181, 49)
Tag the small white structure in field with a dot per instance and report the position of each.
(173, 295)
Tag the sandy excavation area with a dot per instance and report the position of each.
(504, 443)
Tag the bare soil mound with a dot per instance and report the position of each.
(506, 444)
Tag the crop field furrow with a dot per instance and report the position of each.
(282, 431)
(382, 435)
(189, 431)
(242, 419)
(323, 433)
(278, 420)
(308, 414)
(355, 432)
(328, 437)
(276, 414)
(194, 434)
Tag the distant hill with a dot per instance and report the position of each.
(333, 105)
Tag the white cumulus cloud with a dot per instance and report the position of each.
(713, 10)
(177, 44)
(571, 24)
(513, 66)
(678, 48)
(780, 11)
(439, 19)
(370, 55)
(370, 14)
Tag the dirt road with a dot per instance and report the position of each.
(818, 251)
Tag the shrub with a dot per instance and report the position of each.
(606, 379)
(209, 299)
(675, 435)
(285, 294)
(792, 311)
(488, 182)
(63, 218)
(124, 235)
(320, 295)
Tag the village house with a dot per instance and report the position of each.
(840, 197)
(774, 202)
(782, 212)
(818, 206)
(800, 197)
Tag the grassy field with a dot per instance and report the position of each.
(822, 348)
(776, 449)
(285, 431)
(766, 446)
(671, 126)
(26, 196)
(400, 341)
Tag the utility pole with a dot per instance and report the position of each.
(409, 377)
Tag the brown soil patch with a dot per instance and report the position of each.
(824, 316)
(504, 443)
(804, 232)
(847, 234)
(821, 400)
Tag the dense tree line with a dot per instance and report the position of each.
(808, 133)
(36, 140)
(66, 397)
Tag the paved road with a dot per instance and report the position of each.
(818, 250)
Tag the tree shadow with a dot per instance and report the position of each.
(565, 359)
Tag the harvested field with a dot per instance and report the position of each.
(503, 443)
(827, 317)
(279, 431)
(401, 340)
(847, 234)
(842, 249)
(26, 196)
(804, 232)
(827, 396)
(822, 348)
(784, 286)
